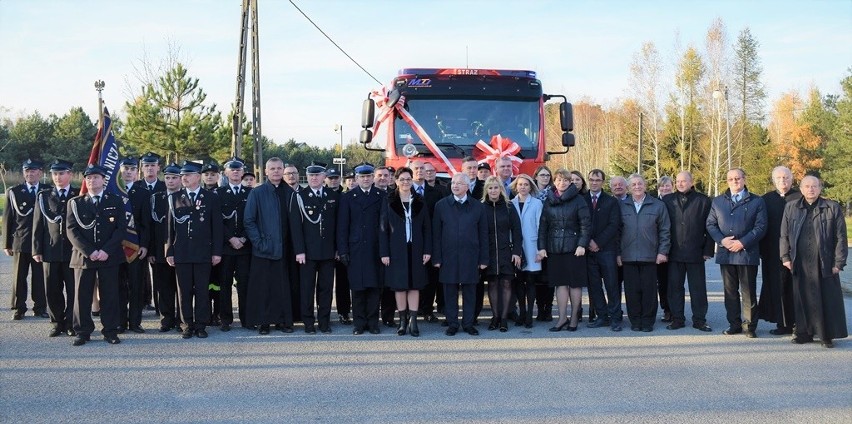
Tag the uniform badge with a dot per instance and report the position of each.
(201, 219)
(24, 204)
(310, 212)
(112, 219)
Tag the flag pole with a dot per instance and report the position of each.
(99, 85)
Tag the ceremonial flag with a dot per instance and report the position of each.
(105, 153)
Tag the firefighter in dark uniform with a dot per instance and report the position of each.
(236, 253)
(210, 181)
(149, 165)
(342, 297)
(164, 274)
(96, 225)
(131, 293)
(194, 247)
(313, 222)
(358, 245)
(18, 238)
(52, 248)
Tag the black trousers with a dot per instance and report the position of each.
(740, 281)
(131, 292)
(233, 267)
(694, 274)
(342, 296)
(84, 290)
(268, 293)
(193, 281)
(59, 291)
(432, 296)
(22, 265)
(166, 283)
(640, 293)
(365, 308)
(451, 302)
(663, 286)
(317, 281)
(480, 297)
(604, 285)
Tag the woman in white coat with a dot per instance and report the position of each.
(529, 210)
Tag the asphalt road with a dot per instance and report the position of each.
(521, 376)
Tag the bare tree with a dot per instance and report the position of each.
(645, 81)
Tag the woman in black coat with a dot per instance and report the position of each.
(563, 235)
(504, 250)
(405, 245)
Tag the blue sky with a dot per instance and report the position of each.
(51, 51)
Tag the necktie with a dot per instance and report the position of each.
(235, 189)
(192, 196)
(150, 187)
(420, 190)
(737, 198)
(62, 194)
(97, 200)
(594, 202)
(33, 190)
(317, 193)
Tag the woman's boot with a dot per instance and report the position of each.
(412, 324)
(403, 323)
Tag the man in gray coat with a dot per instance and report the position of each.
(645, 243)
(737, 222)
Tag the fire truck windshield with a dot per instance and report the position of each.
(456, 125)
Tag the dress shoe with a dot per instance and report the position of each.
(702, 327)
(600, 322)
(201, 334)
(137, 329)
(828, 344)
(325, 329)
(451, 331)
(750, 334)
(675, 325)
(472, 331)
(112, 339)
(559, 327)
(504, 326)
(375, 330)
(570, 328)
(635, 328)
(616, 327)
(310, 329)
(165, 328)
(186, 334)
(225, 327)
(344, 319)
(430, 317)
(647, 329)
(55, 332)
(263, 330)
(70, 332)
(215, 322)
(732, 331)
(667, 317)
(121, 330)
(801, 339)
(495, 322)
(79, 341)
(781, 331)
(284, 328)
(358, 331)
(413, 329)
(18, 316)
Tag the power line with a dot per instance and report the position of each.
(335, 44)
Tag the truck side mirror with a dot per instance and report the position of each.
(567, 140)
(393, 97)
(566, 116)
(366, 136)
(368, 113)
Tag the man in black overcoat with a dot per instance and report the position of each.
(358, 226)
(460, 250)
(52, 248)
(776, 291)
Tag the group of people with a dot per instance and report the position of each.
(397, 245)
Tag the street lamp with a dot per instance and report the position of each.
(717, 94)
(338, 128)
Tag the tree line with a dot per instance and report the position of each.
(688, 115)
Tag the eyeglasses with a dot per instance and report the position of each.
(544, 175)
(291, 173)
(429, 171)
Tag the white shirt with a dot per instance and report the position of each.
(638, 205)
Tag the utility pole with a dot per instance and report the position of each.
(248, 23)
(639, 150)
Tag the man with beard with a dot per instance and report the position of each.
(267, 227)
(776, 292)
(358, 246)
(18, 240)
(52, 248)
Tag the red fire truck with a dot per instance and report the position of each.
(443, 115)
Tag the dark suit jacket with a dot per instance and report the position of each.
(606, 221)
(50, 238)
(109, 221)
(316, 241)
(140, 202)
(158, 226)
(18, 218)
(199, 237)
(233, 216)
(459, 240)
(358, 226)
